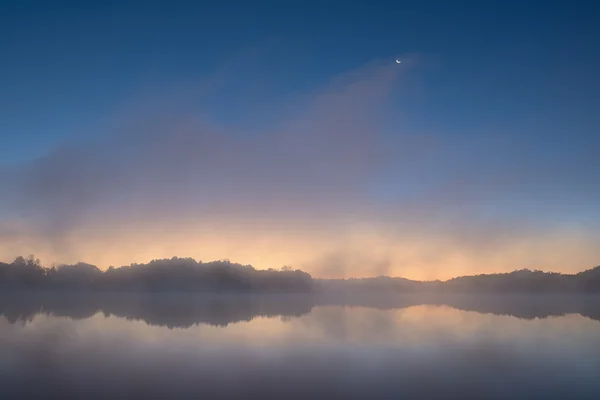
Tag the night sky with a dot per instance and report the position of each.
(284, 133)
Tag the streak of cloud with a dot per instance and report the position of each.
(306, 191)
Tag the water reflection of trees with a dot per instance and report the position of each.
(185, 310)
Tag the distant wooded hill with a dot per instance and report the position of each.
(517, 281)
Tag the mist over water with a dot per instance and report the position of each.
(258, 200)
(300, 346)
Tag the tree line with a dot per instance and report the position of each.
(188, 275)
(175, 274)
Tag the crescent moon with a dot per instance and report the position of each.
(398, 61)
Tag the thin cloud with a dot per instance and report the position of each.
(303, 191)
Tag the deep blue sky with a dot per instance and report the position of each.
(480, 149)
(526, 68)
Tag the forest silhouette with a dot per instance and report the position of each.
(186, 275)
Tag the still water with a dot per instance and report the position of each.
(178, 346)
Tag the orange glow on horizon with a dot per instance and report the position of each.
(358, 253)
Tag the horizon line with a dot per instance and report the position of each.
(31, 257)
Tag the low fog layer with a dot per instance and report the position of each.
(332, 183)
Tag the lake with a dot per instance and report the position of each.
(299, 346)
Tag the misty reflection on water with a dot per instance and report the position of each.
(300, 346)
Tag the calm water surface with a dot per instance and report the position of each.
(299, 347)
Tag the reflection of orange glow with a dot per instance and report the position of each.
(408, 327)
(435, 258)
